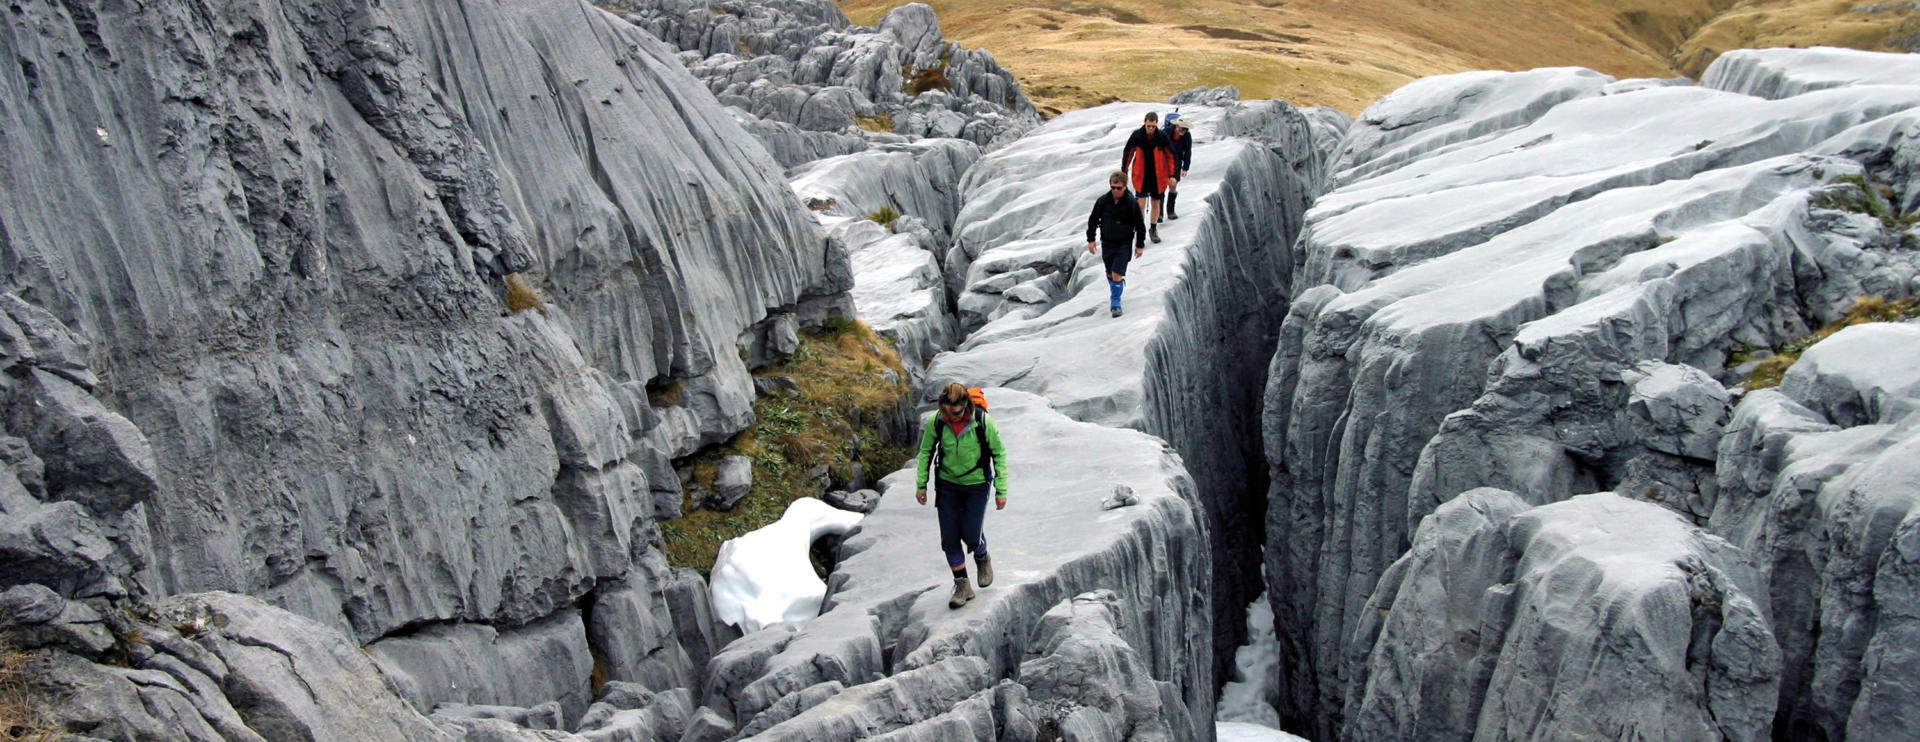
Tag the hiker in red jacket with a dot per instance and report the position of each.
(1149, 156)
(962, 447)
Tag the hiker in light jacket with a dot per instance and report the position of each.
(961, 441)
(1182, 146)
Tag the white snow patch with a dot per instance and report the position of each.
(765, 577)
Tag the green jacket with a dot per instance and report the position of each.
(958, 453)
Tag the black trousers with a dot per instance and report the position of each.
(963, 512)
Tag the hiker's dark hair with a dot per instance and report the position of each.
(955, 395)
(1152, 116)
(1119, 177)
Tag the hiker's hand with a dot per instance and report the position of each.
(1138, 251)
(1089, 247)
(920, 495)
(999, 503)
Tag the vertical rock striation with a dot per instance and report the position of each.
(254, 261)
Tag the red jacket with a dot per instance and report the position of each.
(1150, 158)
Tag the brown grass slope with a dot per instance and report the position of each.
(1346, 53)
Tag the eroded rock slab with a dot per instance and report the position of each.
(1535, 281)
(894, 655)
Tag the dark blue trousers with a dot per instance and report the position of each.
(963, 511)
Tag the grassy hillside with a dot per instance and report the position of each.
(1346, 53)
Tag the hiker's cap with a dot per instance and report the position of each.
(1172, 118)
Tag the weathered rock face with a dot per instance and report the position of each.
(255, 339)
(1534, 281)
(1817, 484)
(1601, 616)
(816, 86)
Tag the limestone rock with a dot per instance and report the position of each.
(1471, 629)
(1502, 290)
(818, 86)
(731, 482)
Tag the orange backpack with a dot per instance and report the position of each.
(978, 395)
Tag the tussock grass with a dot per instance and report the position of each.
(1868, 197)
(19, 718)
(884, 216)
(1771, 371)
(880, 123)
(839, 369)
(520, 296)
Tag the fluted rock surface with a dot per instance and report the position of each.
(815, 86)
(256, 256)
(1818, 485)
(1535, 281)
(1597, 617)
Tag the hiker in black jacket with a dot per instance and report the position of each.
(1116, 216)
(1182, 144)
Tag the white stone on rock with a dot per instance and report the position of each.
(765, 576)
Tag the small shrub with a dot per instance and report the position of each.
(880, 123)
(520, 296)
(885, 215)
(1704, 143)
(925, 79)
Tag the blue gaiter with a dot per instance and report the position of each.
(1116, 286)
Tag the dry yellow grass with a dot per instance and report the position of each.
(18, 717)
(1345, 54)
(520, 296)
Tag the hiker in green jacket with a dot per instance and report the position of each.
(959, 436)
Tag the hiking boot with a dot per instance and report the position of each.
(1116, 311)
(1153, 233)
(962, 592)
(984, 564)
(1171, 213)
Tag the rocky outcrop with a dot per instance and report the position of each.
(1535, 281)
(886, 656)
(1816, 483)
(256, 337)
(817, 86)
(212, 666)
(1193, 304)
(1504, 622)
(899, 288)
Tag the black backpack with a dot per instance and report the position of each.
(980, 436)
